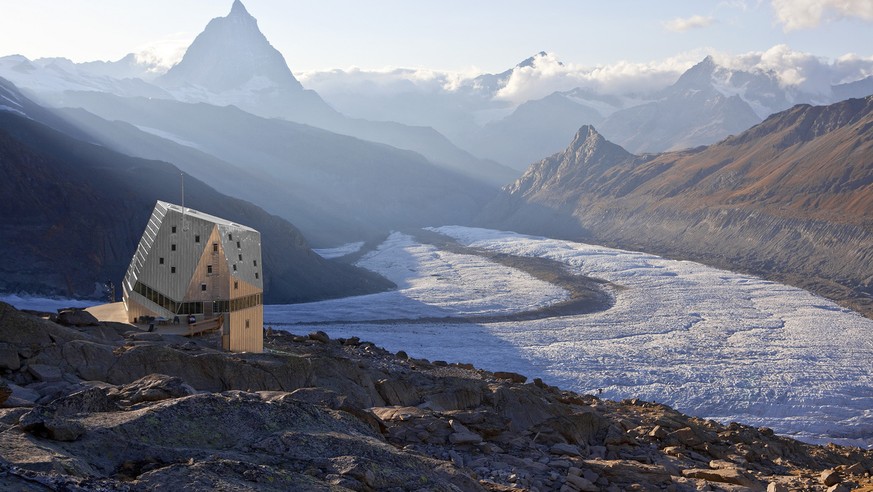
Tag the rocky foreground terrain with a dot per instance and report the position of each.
(107, 407)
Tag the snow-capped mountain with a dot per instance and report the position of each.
(691, 112)
(232, 62)
(49, 78)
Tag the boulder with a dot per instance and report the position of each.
(154, 387)
(397, 392)
(462, 435)
(5, 391)
(318, 396)
(724, 475)
(776, 487)
(42, 421)
(687, 436)
(830, 477)
(511, 376)
(45, 372)
(658, 432)
(319, 336)
(9, 357)
(563, 449)
(76, 317)
(581, 484)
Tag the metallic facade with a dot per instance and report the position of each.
(189, 262)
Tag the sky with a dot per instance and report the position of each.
(450, 35)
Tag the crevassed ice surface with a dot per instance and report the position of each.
(430, 284)
(709, 342)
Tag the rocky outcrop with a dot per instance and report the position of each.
(340, 414)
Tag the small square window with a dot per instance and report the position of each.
(172, 247)
(234, 268)
(161, 260)
(208, 268)
(235, 284)
(237, 244)
(214, 247)
(256, 262)
(197, 238)
(172, 269)
(173, 229)
(247, 323)
(203, 287)
(256, 275)
(240, 257)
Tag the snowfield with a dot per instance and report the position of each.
(709, 342)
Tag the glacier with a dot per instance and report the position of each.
(709, 342)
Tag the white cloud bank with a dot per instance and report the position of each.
(804, 14)
(792, 69)
(681, 24)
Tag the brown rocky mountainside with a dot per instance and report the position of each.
(107, 407)
(791, 198)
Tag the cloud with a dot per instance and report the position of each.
(804, 14)
(680, 24)
(548, 75)
(163, 53)
(799, 70)
(795, 70)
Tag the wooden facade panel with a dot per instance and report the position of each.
(247, 332)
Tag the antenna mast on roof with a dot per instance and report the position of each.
(182, 185)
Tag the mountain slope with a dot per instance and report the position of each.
(534, 129)
(232, 62)
(340, 181)
(73, 213)
(791, 198)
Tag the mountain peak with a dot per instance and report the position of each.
(232, 54)
(586, 137)
(699, 76)
(529, 62)
(590, 147)
(238, 10)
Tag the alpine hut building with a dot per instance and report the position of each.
(189, 263)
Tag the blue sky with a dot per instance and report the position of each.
(486, 35)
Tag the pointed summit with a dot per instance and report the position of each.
(231, 54)
(238, 10)
(699, 76)
(590, 148)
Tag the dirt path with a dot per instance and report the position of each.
(587, 294)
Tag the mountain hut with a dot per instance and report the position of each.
(189, 263)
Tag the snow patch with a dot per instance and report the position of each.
(339, 251)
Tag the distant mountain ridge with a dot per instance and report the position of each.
(791, 198)
(73, 213)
